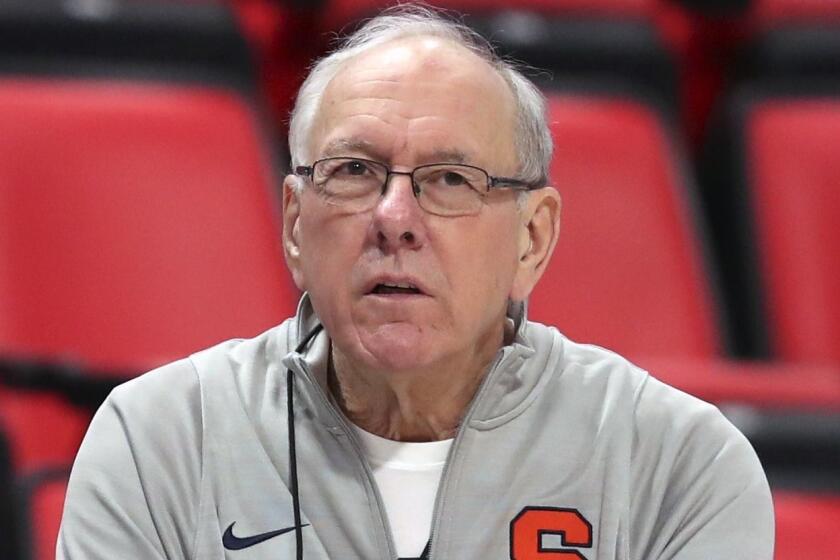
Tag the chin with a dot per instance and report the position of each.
(396, 347)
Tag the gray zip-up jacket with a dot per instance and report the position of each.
(568, 451)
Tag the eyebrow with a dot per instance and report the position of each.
(353, 144)
(340, 146)
(446, 156)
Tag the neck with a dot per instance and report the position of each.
(422, 405)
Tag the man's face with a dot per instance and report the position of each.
(408, 103)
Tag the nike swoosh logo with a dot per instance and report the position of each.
(232, 542)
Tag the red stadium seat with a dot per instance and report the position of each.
(793, 174)
(138, 222)
(774, 12)
(572, 40)
(42, 428)
(8, 514)
(340, 12)
(765, 385)
(770, 181)
(285, 39)
(807, 526)
(793, 41)
(628, 271)
(44, 503)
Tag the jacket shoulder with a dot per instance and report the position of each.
(700, 489)
(605, 377)
(697, 487)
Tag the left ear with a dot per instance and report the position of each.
(291, 229)
(539, 230)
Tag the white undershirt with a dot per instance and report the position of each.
(407, 475)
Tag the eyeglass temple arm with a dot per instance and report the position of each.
(496, 182)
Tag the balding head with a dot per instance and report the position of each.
(402, 89)
(531, 137)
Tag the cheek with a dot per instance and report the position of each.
(500, 267)
(330, 245)
(484, 267)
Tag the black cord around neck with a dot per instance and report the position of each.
(293, 478)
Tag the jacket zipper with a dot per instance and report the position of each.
(447, 469)
(356, 447)
(440, 499)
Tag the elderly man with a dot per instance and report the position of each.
(410, 409)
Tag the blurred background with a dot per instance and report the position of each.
(141, 153)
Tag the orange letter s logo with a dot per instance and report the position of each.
(528, 528)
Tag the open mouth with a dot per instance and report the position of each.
(401, 288)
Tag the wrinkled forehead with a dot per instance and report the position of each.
(435, 89)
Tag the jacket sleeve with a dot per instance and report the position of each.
(700, 491)
(133, 491)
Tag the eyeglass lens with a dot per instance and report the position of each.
(356, 184)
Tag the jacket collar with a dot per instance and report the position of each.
(509, 385)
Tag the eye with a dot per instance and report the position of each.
(354, 167)
(454, 179)
(449, 176)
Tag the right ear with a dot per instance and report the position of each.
(292, 187)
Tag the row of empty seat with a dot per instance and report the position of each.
(117, 229)
(121, 200)
(771, 179)
(139, 221)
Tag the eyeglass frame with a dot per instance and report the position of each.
(492, 181)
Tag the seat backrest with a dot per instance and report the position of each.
(43, 500)
(179, 39)
(9, 531)
(791, 41)
(806, 525)
(571, 40)
(345, 10)
(138, 221)
(628, 272)
(42, 428)
(793, 178)
(773, 12)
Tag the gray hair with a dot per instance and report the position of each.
(533, 139)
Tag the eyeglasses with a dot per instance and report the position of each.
(444, 189)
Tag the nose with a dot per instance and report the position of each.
(398, 220)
